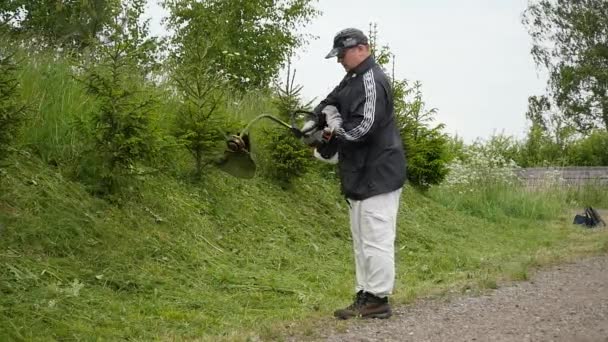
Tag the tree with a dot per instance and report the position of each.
(591, 151)
(200, 121)
(201, 89)
(287, 157)
(427, 148)
(68, 23)
(549, 136)
(247, 40)
(382, 54)
(220, 48)
(116, 76)
(570, 40)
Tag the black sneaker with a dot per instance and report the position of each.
(366, 305)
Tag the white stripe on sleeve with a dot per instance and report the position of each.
(369, 109)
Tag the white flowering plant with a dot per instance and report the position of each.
(483, 182)
(479, 165)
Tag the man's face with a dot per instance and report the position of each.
(351, 57)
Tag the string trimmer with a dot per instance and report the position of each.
(237, 159)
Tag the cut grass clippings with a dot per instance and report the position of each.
(233, 259)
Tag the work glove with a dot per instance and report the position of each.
(333, 120)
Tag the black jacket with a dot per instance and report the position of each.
(371, 155)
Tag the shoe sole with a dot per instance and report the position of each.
(383, 315)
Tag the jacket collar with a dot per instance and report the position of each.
(367, 64)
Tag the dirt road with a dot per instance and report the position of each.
(562, 303)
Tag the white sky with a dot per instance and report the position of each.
(472, 57)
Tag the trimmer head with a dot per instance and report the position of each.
(237, 158)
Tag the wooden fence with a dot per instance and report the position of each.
(567, 176)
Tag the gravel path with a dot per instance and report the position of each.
(563, 303)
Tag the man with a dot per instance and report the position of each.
(361, 127)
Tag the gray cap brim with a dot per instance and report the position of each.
(333, 53)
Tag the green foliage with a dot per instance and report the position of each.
(570, 41)
(501, 149)
(12, 111)
(220, 48)
(57, 100)
(58, 23)
(426, 147)
(247, 40)
(544, 144)
(287, 158)
(201, 121)
(483, 183)
(482, 163)
(552, 142)
(427, 157)
(202, 133)
(120, 129)
(538, 149)
(456, 147)
(382, 54)
(591, 151)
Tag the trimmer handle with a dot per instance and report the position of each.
(310, 116)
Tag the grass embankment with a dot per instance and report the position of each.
(228, 257)
(225, 257)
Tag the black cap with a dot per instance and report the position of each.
(347, 38)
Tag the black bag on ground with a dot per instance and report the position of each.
(590, 219)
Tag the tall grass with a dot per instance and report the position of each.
(57, 101)
(498, 201)
(594, 193)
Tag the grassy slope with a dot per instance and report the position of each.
(227, 257)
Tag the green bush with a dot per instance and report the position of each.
(591, 150)
(427, 157)
(427, 149)
(119, 131)
(287, 157)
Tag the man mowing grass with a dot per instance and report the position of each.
(363, 137)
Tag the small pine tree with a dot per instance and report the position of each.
(288, 158)
(201, 118)
(427, 149)
(120, 130)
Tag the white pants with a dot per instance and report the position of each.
(373, 223)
